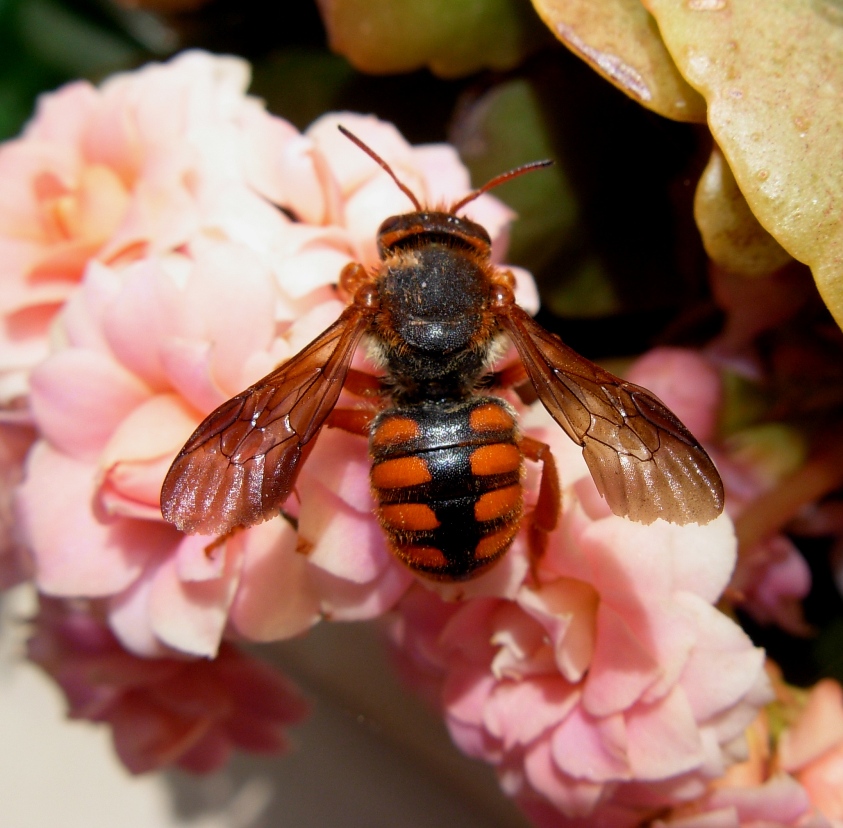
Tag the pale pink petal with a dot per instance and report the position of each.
(158, 427)
(573, 797)
(191, 616)
(61, 116)
(472, 740)
(517, 712)
(79, 397)
(307, 327)
(459, 632)
(707, 559)
(229, 211)
(83, 313)
(201, 558)
(148, 308)
(730, 724)
(663, 738)
(466, 693)
(347, 543)
(132, 490)
(310, 270)
(623, 667)
(823, 780)
(130, 621)
(278, 164)
(567, 609)
(275, 599)
(238, 312)
(188, 367)
(161, 216)
(592, 749)
(780, 800)
(77, 554)
(344, 600)
(818, 729)
(349, 165)
(349, 478)
(632, 562)
(723, 664)
(447, 181)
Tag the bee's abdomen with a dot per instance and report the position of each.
(447, 481)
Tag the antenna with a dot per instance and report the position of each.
(500, 179)
(496, 181)
(373, 155)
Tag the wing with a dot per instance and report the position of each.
(241, 463)
(644, 461)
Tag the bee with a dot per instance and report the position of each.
(448, 457)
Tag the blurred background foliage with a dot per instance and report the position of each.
(628, 252)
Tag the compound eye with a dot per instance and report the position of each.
(389, 225)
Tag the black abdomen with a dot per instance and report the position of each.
(447, 480)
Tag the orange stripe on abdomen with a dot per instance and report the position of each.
(500, 503)
(498, 458)
(495, 544)
(408, 517)
(490, 417)
(400, 472)
(393, 431)
(427, 559)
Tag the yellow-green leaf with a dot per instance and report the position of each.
(772, 75)
(450, 37)
(731, 234)
(620, 39)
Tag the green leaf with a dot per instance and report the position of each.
(621, 41)
(772, 76)
(451, 37)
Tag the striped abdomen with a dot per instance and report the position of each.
(447, 480)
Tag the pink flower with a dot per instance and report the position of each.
(108, 174)
(789, 778)
(164, 711)
(612, 690)
(203, 287)
(812, 748)
(749, 794)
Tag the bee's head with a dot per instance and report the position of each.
(423, 226)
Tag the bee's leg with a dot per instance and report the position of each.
(545, 514)
(353, 420)
(515, 376)
(362, 384)
(216, 543)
